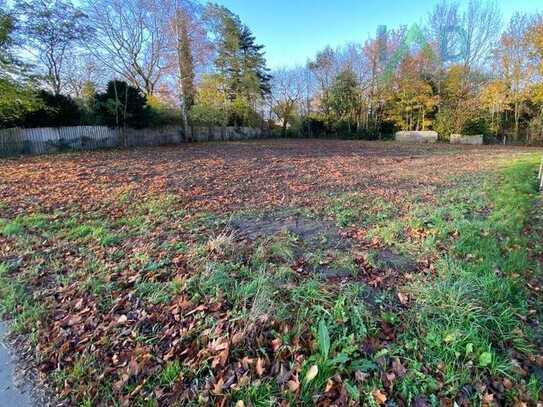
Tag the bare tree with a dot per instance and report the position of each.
(288, 91)
(445, 33)
(129, 38)
(82, 71)
(481, 25)
(51, 29)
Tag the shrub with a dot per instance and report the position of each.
(55, 111)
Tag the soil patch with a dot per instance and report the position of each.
(315, 233)
(388, 260)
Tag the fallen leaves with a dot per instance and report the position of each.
(260, 369)
(265, 173)
(126, 343)
(379, 397)
(311, 373)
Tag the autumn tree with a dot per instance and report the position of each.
(494, 98)
(324, 69)
(535, 38)
(515, 66)
(212, 105)
(412, 96)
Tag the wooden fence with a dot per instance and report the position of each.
(17, 141)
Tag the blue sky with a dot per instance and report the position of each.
(294, 30)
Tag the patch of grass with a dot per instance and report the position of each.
(338, 333)
(159, 205)
(23, 223)
(472, 313)
(98, 231)
(170, 374)
(78, 376)
(18, 304)
(81, 231)
(362, 210)
(276, 249)
(155, 292)
(10, 292)
(221, 245)
(12, 229)
(263, 393)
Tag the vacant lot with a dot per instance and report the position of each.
(277, 272)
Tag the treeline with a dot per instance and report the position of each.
(128, 63)
(140, 63)
(458, 72)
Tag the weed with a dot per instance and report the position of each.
(170, 374)
(12, 229)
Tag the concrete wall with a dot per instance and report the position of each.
(416, 136)
(460, 139)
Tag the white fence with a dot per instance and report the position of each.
(18, 141)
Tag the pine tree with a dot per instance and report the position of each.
(240, 63)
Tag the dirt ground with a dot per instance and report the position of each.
(228, 176)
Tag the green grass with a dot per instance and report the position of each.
(463, 322)
(170, 374)
(99, 232)
(472, 313)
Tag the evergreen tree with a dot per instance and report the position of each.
(255, 74)
(122, 105)
(56, 111)
(240, 64)
(343, 98)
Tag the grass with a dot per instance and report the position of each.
(193, 284)
(472, 312)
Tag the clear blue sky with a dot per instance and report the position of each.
(294, 30)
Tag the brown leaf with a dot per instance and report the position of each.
(218, 387)
(404, 298)
(488, 399)
(329, 385)
(293, 385)
(276, 344)
(260, 369)
(360, 376)
(379, 397)
(237, 338)
(398, 368)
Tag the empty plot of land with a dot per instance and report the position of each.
(276, 272)
(228, 176)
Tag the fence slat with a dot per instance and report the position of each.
(17, 141)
